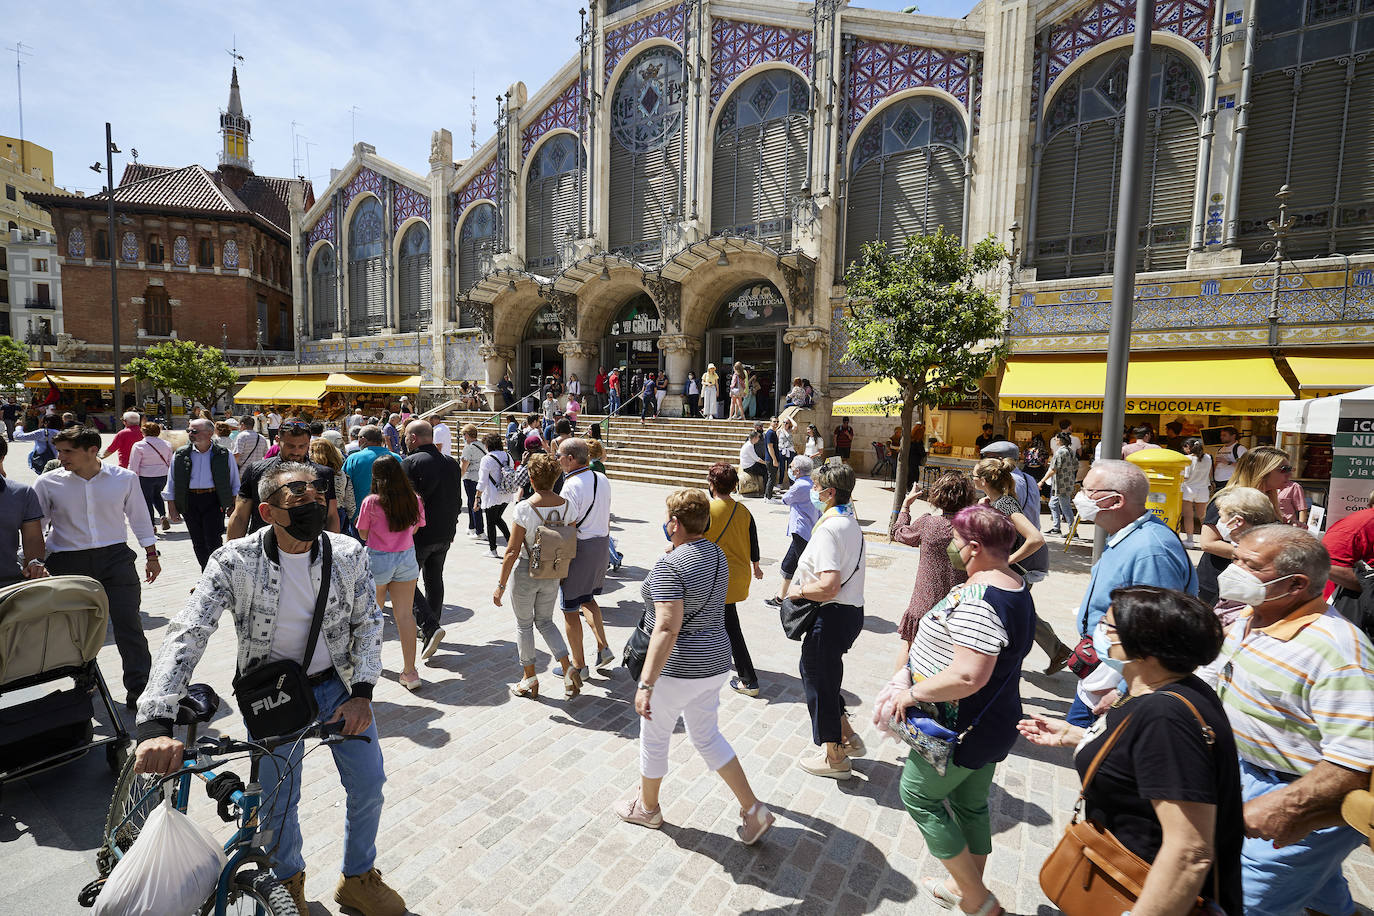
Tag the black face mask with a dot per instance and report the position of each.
(307, 520)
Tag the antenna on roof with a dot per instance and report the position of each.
(295, 148)
(21, 52)
(474, 112)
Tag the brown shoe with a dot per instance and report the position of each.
(1061, 658)
(369, 894)
(295, 886)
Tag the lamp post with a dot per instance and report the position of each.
(110, 150)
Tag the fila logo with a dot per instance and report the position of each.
(269, 703)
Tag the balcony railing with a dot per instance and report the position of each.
(40, 304)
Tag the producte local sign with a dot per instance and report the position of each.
(1209, 406)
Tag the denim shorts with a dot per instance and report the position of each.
(394, 565)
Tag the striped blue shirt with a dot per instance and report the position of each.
(696, 574)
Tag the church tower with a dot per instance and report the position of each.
(236, 130)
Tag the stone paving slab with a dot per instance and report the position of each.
(497, 804)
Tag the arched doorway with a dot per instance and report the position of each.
(632, 339)
(539, 354)
(748, 328)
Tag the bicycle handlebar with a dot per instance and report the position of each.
(327, 732)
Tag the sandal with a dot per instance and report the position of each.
(990, 907)
(854, 746)
(937, 889)
(412, 683)
(632, 812)
(572, 682)
(526, 687)
(756, 822)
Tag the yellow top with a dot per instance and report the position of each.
(733, 539)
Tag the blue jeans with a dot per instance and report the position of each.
(360, 771)
(1061, 507)
(1282, 882)
(1079, 714)
(615, 402)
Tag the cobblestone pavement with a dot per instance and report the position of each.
(497, 804)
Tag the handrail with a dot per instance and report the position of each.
(434, 411)
(485, 420)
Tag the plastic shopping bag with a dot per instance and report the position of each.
(171, 868)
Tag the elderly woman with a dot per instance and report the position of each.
(1239, 509)
(932, 533)
(734, 531)
(967, 652)
(1166, 785)
(801, 518)
(831, 573)
(1265, 468)
(686, 665)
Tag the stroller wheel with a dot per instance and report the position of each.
(116, 755)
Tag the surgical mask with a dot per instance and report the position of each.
(817, 502)
(956, 559)
(1086, 507)
(1236, 583)
(1103, 646)
(1228, 530)
(306, 520)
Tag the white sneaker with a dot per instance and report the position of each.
(494, 555)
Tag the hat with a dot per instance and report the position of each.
(1358, 811)
(1002, 449)
(533, 441)
(334, 436)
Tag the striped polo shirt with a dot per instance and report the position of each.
(697, 574)
(1298, 691)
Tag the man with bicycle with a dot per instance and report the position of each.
(269, 581)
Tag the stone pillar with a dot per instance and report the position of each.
(810, 347)
(1002, 166)
(579, 356)
(441, 169)
(496, 358)
(679, 352)
(298, 292)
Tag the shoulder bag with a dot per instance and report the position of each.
(798, 615)
(925, 727)
(276, 698)
(637, 646)
(1090, 873)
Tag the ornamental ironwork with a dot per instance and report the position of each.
(737, 46)
(646, 109)
(907, 125)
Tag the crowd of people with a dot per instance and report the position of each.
(1221, 708)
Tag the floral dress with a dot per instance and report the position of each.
(934, 574)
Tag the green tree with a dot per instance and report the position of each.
(14, 363)
(194, 371)
(920, 318)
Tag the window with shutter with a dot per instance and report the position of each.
(759, 158)
(551, 203)
(1311, 127)
(476, 243)
(646, 118)
(413, 279)
(366, 275)
(324, 294)
(906, 176)
(1080, 167)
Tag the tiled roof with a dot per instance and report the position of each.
(270, 198)
(191, 187)
(137, 171)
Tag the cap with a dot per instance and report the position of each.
(1002, 449)
(533, 440)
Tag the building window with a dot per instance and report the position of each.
(42, 295)
(4, 260)
(324, 294)
(4, 289)
(102, 245)
(646, 176)
(156, 254)
(10, 193)
(157, 312)
(283, 328)
(476, 246)
(205, 253)
(5, 322)
(40, 265)
(552, 202)
(366, 276)
(414, 279)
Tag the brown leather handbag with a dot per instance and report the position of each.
(1090, 873)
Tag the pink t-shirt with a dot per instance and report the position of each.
(124, 443)
(1292, 500)
(372, 519)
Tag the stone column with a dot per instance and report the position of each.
(441, 170)
(810, 347)
(496, 358)
(298, 291)
(679, 352)
(579, 356)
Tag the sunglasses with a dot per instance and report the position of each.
(295, 488)
(295, 426)
(1285, 469)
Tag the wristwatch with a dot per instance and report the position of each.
(645, 685)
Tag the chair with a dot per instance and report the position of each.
(884, 463)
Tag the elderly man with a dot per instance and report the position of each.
(124, 440)
(201, 488)
(293, 445)
(1297, 682)
(391, 432)
(589, 507)
(249, 445)
(1141, 550)
(269, 582)
(438, 481)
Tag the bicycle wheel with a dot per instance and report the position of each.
(256, 893)
(127, 814)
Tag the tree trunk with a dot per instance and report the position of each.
(904, 452)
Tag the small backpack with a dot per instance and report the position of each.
(512, 479)
(555, 545)
(42, 453)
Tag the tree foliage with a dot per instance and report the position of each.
(194, 371)
(919, 317)
(14, 363)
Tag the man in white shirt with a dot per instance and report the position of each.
(249, 445)
(749, 460)
(91, 507)
(273, 424)
(356, 420)
(589, 508)
(443, 438)
(1224, 463)
(201, 488)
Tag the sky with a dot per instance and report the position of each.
(159, 72)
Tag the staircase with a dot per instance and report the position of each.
(672, 452)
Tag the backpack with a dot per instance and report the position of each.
(42, 454)
(512, 479)
(555, 545)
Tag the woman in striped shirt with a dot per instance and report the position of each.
(686, 665)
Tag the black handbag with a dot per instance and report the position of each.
(798, 615)
(276, 698)
(637, 646)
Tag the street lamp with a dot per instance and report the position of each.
(110, 150)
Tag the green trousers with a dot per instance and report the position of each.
(963, 823)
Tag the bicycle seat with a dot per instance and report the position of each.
(198, 706)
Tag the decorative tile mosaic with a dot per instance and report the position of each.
(561, 112)
(323, 229)
(128, 247)
(1095, 23)
(365, 180)
(877, 69)
(841, 366)
(76, 243)
(406, 203)
(736, 46)
(482, 185)
(669, 23)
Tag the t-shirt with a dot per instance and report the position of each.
(748, 455)
(1292, 500)
(380, 536)
(443, 438)
(1211, 565)
(836, 544)
(1010, 506)
(1349, 541)
(1163, 756)
(18, 504)
(1199, 473)
(531, 517)
(248, 485)
(473, 453)
(844, 437)
(696, 574)
(770, 444)
(589, 503)
(295, 611)
(1224, 467)
(124, 443)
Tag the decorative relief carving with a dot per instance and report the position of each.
(801, 287)
(679, 343)
(483, 316)
(578, 349)
(667, 296)
(564, 306)
(806, 338)
(491, 351)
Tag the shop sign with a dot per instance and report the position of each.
(1186, 406)
(643, 323)
(758, 304)
(546, 325)
(1352, 461)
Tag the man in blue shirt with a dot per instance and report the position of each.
(358, 467)
(1141, 550)
(392, 432)
(21, 522)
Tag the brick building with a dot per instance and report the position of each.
(202, 255)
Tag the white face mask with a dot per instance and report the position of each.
(1227, 530)
(1086, 507)
(1236, 583)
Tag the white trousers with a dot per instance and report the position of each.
(694, 701)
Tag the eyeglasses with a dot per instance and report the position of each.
(1285, 469)
(295, 488)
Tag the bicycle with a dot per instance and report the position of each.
(246, 884)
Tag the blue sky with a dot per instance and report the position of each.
(159, 72)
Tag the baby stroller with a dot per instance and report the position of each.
(51, 630)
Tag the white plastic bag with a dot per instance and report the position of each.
(171, 868)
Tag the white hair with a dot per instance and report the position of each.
(133, 416)
(801, 466)
(1123, 477)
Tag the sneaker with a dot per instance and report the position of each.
(738, 686)
(295, 886)
(1054, 531)
(632, 811)
(775, 601)
(432, 641)
(605, 658)
(854, 747)
(477, 535)
(585, 672)
(494, 555)
(369, 894)
(820, 765)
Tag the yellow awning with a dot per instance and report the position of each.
(74, 379)
(259, 391)
(1194, 383)
(1319, 376)
(288, 391)
(867, 400)
(363, 383)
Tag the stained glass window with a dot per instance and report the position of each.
(413, 279)
(646, 181)
(476, 244)
(366, 276)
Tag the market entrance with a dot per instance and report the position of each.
(632, 340)
(748, 329)
(539, 356)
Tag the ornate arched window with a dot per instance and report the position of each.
(476, 244)
(366, 275)
(906, 176)
(1311, 127)
(413, 279)
(758, 166)
(324, 294)
(1080, 167)
(551, 202)
(646, 119)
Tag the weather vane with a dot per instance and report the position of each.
(233, 52)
